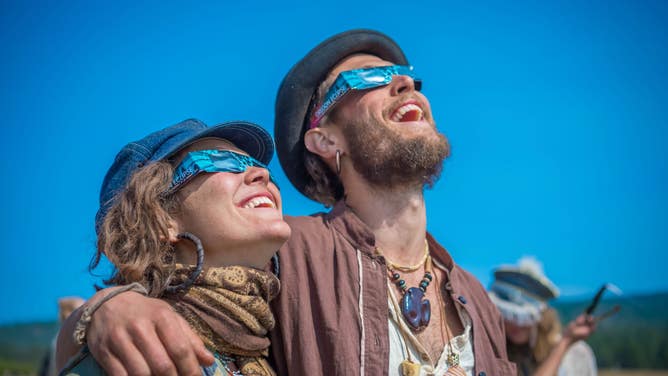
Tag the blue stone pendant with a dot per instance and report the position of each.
(416, 309)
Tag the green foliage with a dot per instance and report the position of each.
(12, 367)
(636, 337)
(24, 346)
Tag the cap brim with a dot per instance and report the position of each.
(301, 82)
(249, 137)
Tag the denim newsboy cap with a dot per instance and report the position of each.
(165, 143)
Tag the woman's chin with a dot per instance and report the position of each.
(278, 232)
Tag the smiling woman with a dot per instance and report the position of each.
(190, 214)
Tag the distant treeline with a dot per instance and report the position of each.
(24, 346)
(636, 337)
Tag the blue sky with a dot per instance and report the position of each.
(557, 114)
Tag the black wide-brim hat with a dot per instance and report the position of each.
(299, 87)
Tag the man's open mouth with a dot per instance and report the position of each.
(408, 112)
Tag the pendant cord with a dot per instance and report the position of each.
(452, 358)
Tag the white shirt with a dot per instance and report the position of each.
(461, 344)
(579, 360)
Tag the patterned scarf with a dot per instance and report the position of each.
(228, 307)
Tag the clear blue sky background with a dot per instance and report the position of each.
(557, 113)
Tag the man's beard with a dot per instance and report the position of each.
(386, 159)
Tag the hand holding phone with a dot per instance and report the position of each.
(597, 298)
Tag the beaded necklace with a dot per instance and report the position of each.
(415, 307)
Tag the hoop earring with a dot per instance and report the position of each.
(338, 162)
(198, 268)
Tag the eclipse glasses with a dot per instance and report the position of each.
(200, 161)
(359, 79)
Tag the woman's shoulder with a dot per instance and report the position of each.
(83, 364)
(578, 360)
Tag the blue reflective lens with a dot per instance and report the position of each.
(360, 79)
(200, 161)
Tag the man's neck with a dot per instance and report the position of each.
(397, 218)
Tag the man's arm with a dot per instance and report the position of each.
(134, 334)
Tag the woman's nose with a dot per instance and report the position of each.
(256, 175)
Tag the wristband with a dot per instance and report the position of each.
(81, 328)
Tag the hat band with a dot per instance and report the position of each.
(516, 304)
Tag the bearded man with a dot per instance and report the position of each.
(354, 132)
(364, 288)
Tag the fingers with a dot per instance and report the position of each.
(178, 339)
(121, 359)
(204, 356)
(580, 328)
(123, 337)
(153, 350)
(111, 364)
(582, 319)
(585, 320)
(135, 335)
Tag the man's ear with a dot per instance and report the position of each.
(323, 142)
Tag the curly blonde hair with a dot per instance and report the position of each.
(548, 334)
(135, 231)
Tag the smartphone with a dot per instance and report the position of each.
(594, 302)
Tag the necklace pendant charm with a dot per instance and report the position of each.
(416, 309)
(408, 368)
(453, 359)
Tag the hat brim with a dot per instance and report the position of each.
(543, 289)
(300, 84)
(520, 314)
(249, 137)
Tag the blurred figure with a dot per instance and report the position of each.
(534, 336)
(66, 305)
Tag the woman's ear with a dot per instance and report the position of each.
(323, 142)
(173, 229)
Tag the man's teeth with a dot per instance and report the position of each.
(262, 201)
(403, 110)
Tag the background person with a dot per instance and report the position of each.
(190, 215)
(536, 341)
(66, 305)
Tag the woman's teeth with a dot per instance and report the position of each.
(260, 201)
